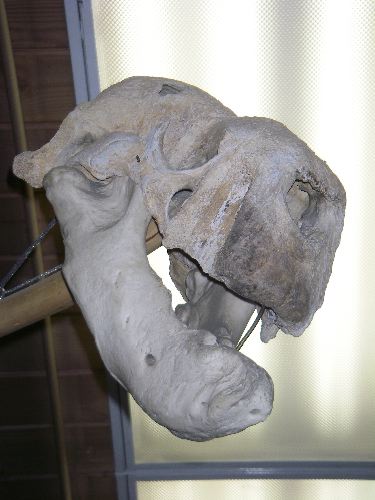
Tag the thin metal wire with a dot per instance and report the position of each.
(22, 259)
(31, 281)
(251, 329)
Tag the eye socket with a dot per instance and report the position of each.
(302, 203)
(177, 200)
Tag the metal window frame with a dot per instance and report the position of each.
(86, 84)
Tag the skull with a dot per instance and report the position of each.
(251, 218)
(263, 216)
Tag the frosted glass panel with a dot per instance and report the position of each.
(251, 489)
(311, 65)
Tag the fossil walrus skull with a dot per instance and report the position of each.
(251, 218)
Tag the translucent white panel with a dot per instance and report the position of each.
(310, 65)
(251, 489)
(159, 261)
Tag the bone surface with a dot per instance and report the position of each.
(181, 377)
(251, 216)
(220, 172)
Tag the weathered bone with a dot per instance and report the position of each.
(251, 218)
(180, 376)
(267, 253)
(136, 106)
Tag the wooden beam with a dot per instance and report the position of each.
(34, 303)
(48, 296)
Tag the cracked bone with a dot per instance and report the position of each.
(180, 376)
(250, 215)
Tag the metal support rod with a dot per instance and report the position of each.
(15, 109)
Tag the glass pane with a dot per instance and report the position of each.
(251, 489)
(310, 65)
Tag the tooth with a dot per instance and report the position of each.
(180, 376)
(188, 315)
(182, 312)
(269, 328)
(224, 337)
(268, 332)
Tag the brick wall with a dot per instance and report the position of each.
(28, 454)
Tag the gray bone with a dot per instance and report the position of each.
(181, 377)
(251, 216)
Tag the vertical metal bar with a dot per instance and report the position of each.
(127, 438)
(120, 459)
(89, 47)
(72, 15)
(132, 488)
(126, 426)
(21, 145)
(81, 35)
(122, 439)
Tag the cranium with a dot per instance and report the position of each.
(251, 218)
